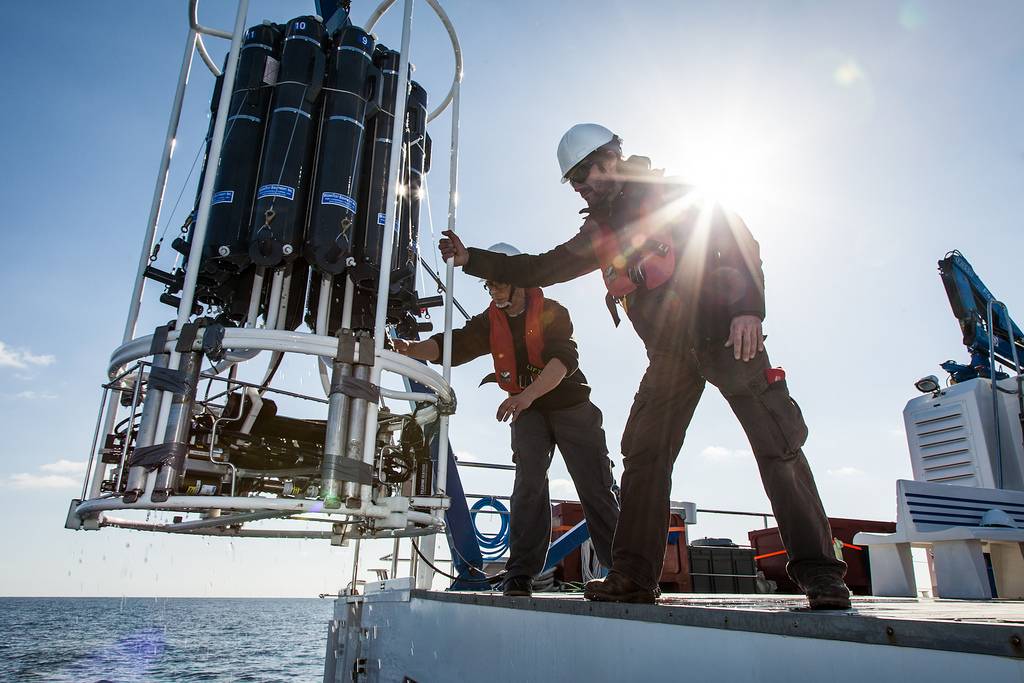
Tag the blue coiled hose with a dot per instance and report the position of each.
(492, 546)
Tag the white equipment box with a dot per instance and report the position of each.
(951, 435)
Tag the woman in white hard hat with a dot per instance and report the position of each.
(529, 338)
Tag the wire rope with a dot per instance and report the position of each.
(488, 578)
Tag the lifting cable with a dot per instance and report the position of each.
(156, 247)
(488, 579)
(433, 273)
(430, 222)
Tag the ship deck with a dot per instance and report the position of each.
(429, 635)
(990, 627)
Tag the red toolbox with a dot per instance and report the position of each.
(675, 576)
(771, 556)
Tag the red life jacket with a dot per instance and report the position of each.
(640, 251)
(630, 258)
(503, 348)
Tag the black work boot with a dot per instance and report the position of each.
(517, 587)
(618, 587)
(827, 592)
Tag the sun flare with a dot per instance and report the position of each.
(732, 165)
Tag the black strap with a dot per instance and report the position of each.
(350, 469)
(159, 340)
(152, 457)
(349, 351)
(176, 381)
(359, 388)
(187, 338)
(364, 355)
(613, 308)
(346, 346)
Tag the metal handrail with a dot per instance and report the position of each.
(193, 22)
(383, 7)
(484, 465)
(763, 515)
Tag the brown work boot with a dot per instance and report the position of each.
(618, 587)
(827, 592)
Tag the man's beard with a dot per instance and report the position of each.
(600, 193)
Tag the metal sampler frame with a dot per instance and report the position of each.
(387, 517)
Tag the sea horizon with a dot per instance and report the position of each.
(162, 638)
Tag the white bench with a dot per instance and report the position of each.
(959, 524)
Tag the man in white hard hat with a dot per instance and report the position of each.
(529, 338)
(687, 273)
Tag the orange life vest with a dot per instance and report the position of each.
(630, 258)
(503, 349)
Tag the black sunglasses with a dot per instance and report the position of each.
(578, 173)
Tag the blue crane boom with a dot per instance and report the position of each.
(989, 333)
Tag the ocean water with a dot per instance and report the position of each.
(162, 639)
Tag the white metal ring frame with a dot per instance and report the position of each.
(92, 511)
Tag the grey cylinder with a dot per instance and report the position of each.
(337, 434)
(136, 483)
(357, 427)
(179, 421)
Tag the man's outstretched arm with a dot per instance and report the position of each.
(468, 342)
(563, 263)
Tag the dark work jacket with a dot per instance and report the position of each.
(474, 340)
(718, 272)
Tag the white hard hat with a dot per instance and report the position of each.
(504, 248)
(578, 142)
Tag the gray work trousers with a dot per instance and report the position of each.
(580, 438)
(774, 425)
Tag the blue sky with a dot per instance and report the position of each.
(859, 141)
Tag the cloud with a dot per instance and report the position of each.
(24, 480)
(845, 472)
(64, 467)
(35, 395)
(22, 358)
(563, 489)
(720, 453)
(63, 474)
